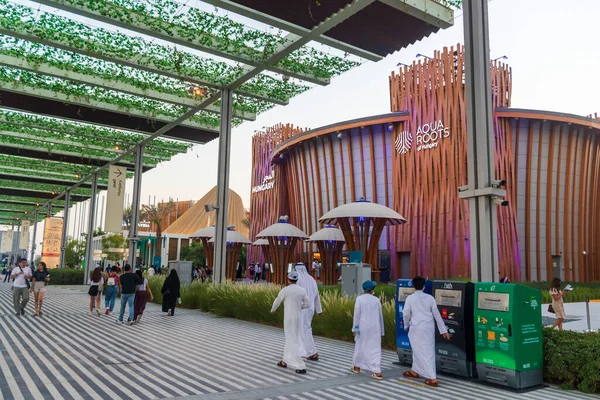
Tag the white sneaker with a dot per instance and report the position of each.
(97, 312)
(131, 322)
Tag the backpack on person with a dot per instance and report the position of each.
(111, 281)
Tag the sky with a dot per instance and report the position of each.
(550, 45)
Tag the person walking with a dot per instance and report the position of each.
(142, 292)
(111, 290)
(308, 283)
(95, 283)
(558, 303)
(257, 272)
(171, 292)
(367, 330)
(420, 312)
(294, 300)
(20, 275)
(39, 280)
(8, 272)
(127, 285)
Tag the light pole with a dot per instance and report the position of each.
(585, 268)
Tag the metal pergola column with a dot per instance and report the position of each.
(63, 246)
(135, 203)
(480, 144)
(90, 231)
(33, 246)
(223, 188)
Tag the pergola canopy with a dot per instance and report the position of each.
(79, 96)
(282, 230)
(204, 233)
(261, 242)
(234, 237)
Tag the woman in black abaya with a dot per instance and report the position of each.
(170, 292)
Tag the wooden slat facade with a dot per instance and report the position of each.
(551, 163)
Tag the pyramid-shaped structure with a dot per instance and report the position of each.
(197, 218)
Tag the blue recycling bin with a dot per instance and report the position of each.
(404, 288)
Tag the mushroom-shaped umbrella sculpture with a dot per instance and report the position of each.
(235, 242)
(204, 235)
(362, 223)
(282, 237)
(264, 245)
(330, 242)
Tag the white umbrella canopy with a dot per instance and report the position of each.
(362, 209)
(207, 232)
(261, 242)
(329, 233)
(234, 237)
(282, 229)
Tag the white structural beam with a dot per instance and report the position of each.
(84, 156)
(430, 11)
(65, 128)
(292, 28)
(70, 143)
(136, 22)
(115, 85)
(143, 62)
(20, 88)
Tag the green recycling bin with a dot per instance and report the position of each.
(508, 334)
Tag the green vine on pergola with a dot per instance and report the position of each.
(43, 187)
(33, 201)
(53, 148)
(218, 32)
(78, 143)
(117, 137)
(128, 103)
(101, 43)
(53, 168)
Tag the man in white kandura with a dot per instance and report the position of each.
(420, 312)
(294, 301)
(308, 283)
(368, 330)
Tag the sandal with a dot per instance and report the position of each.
(300, 371)
(355, 370)
(314, 357)
(431, 382)
(410, 374)
(282, 364)
(377, 376)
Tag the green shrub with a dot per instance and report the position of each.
(571, 359)
(66, 276)
(583, 291)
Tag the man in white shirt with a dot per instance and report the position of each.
(307, 282)
(294, 300)
(20, 274)
(420, 317)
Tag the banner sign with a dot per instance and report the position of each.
(7, 242)
(24, 238)
(114, 199)
(52, 241)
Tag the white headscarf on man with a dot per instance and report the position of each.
(308, 283)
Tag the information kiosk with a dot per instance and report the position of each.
(508, 334)
(455, 302)
(404, 288)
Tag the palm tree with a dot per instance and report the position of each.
(156, 214)
(127, 214)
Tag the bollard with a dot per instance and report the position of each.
(587, 310)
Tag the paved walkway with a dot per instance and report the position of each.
(69, 354)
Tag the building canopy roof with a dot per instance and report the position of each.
(77, 96)
(282, 229)
(329, 233)
(362, 209)
(234, 237)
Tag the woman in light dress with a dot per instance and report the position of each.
(557, 303)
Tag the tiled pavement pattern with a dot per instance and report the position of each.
(69, 354)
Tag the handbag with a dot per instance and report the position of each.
(551, 309)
